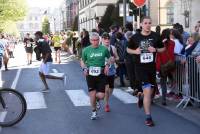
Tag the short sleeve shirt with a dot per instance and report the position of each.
(45, 48)
(143, 42)
(95, 56)
(28, 42)
(57, 41)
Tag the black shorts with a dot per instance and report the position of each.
(29, 50)
(110, 81)
(145, 75)
(57, 48)
(96, 83)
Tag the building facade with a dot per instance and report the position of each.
(72, 12)
(33, 21)
(89, 10)
(167, 12)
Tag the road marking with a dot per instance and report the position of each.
(14, 84)
(78, 97)
(57, 74)
(1, 83)
(35, 100)
(55, 71)
(124, 96)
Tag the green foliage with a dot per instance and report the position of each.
(111, 15)
(108, 18)
(45, 25)
(11, 28)
(11, 11)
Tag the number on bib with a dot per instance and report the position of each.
(146, 57)
(94, 71)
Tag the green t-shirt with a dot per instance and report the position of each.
(95, 56)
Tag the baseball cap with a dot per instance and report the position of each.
(105, 35)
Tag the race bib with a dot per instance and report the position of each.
(94, 71)
(146, 57)
(28, 45)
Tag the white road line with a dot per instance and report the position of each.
(35, 100)
(2, 117)
(57, 74)
(55, 71)
(14, 84)
(78, 97)
(124, 96)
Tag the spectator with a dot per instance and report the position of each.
(163, 58)
(177, 38)
(191, 44)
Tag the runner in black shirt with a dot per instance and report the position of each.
(44, 69)
(143, 47)
(28, 44)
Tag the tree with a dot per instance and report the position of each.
(11, 11)
(45, 25)
(107, 20)
(111, 15)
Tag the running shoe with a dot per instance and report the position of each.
(140, 100)
(149, 122)
(94, 115)
(107, 108)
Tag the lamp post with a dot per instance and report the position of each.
(124, 12)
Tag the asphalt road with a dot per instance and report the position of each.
(66, 110)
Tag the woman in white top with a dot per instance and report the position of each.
(177, 38)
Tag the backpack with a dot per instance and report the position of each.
(121, 50)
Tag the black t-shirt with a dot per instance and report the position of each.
(28, 42)
(145, 58)
(44, 49)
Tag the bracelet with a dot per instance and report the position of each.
(85, 68)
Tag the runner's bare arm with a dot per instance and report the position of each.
(131, 51)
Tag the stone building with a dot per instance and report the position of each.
(89, 10)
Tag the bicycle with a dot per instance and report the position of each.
(13, 107)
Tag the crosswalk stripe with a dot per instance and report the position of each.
(2, 116)
(124, 96)
(35, 100)
(78, 97)
(55, 71)
(57, 74)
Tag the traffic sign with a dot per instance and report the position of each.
(139, 3)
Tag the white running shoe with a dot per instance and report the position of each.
(94, 115)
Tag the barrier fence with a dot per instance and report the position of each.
(187, 79)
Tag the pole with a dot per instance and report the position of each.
(78, 16)
(159, 12)
(124, 12)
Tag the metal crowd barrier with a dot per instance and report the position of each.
(187, 79)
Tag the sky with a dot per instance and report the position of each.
(44, 3)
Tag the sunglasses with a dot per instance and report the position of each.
(94, 39)
(106, 38)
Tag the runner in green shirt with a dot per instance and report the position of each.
(95, 69)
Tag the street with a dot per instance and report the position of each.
(66, 109)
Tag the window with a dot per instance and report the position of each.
(170, 15)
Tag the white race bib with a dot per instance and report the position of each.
(94, 71)
(28, 45)
(146, 57)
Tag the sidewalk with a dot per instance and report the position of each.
(190, 113)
